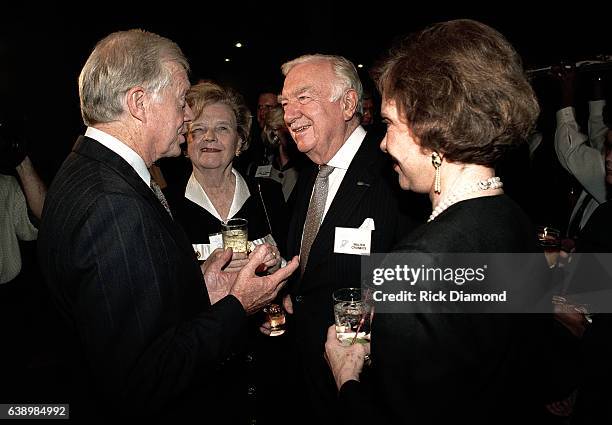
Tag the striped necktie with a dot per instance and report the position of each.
(314, 216)
(160, 195)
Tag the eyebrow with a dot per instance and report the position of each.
(200, 123)
(296, 92)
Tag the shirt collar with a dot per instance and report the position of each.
(342, 159)
(196, 194)
(123, 150)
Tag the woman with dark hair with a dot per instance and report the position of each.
(455, 99)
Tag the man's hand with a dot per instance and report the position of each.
(218, 281)
(345, 362)
(238, 261)
(271, 262)
(255, 292)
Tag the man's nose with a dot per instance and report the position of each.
(292, 112)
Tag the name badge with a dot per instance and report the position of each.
(352, 241)
(216, 241)
(263, 171)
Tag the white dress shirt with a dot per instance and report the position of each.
(196, 194)
(123, 150)
(341, 162)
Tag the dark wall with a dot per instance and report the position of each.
(43, 48)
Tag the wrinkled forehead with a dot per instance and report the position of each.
(317, 76)
(215, 113)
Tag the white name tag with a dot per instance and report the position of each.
(216, 241)
(352, 241)
(263, 171)
(203, 250)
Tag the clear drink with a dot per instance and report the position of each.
(352, 316)
(235, 239)
(236, 235)
(348, 316)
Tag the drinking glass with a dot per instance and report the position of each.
(276, 316)
(549, 240)
(235, 234)
(353, 315)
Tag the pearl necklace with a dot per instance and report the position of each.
(456, 196)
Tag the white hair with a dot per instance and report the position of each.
(344, 70)
(119, 62)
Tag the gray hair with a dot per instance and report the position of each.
(120, 61)
(344, 70)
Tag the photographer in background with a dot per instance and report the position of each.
(581, 153)
(22, 194)
(18, 196)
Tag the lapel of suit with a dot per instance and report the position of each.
(359, 177)
(98, 152)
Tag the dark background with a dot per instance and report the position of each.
(43, 48)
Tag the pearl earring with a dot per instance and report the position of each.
(436, 161)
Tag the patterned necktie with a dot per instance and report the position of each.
(160, 195)
(314, 216)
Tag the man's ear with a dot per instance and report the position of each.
(349, 104)
(136, 98)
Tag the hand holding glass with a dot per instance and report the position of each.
(353, 315)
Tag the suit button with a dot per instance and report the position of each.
(251, 390)
(249, 358)
(299, 299)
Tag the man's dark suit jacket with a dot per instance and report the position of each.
(147, 342)
(369, 189)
